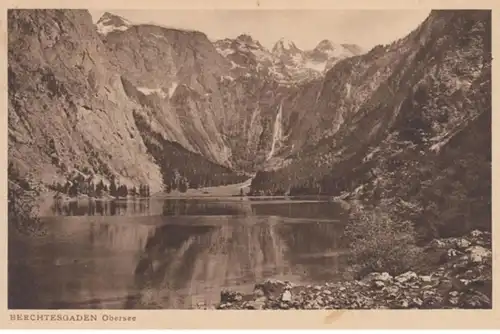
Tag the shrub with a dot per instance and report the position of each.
(22, 210)
(379, 242)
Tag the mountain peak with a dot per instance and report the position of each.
(245, 38)
(111, 22)
(325, 44)
(285, 45)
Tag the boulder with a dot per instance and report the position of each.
(478, 254)
(408, 276)
(229, 296)
(475, 300)
(426, 278)
(257, 304)
(462, 243)
(383, 277)
(476, 234)
(271, 288)
(286, 296)
(437, 244)
(451, 253)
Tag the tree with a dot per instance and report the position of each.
(112, 188)
(99, 189)
(380, 242)
(133, 191)
(122, 191)
(91, 190)
(73, 189)
(182, 186)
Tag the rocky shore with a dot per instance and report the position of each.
(457, 274)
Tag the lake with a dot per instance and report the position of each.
(172, 253)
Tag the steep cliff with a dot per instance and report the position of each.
(67, 108)
(75, 91)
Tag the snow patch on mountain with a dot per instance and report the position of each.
(110, 22)
(225, 52)
(316, 66)
(150, 91)
(159, 36)
(172, 89)
(104, 29)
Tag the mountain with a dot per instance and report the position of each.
(326, 54)
(285, 48)
(285, 63)
(75, 97)
(109, 22)
(400, 122)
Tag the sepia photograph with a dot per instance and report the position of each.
(249, 159)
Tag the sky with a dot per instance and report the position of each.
(306, 28)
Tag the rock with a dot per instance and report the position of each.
(462, 243)
(225, 305)
(228, 296)
(437, 244)
(284, 306)
(478, 254)
(271, 288)
(469, 274)
(257, 304)
(326, 292)
(378, 284)
(258, 293)
(453, 301)
(316, 288)
(383, 277)
(476, 234)
(406, 277)
(451, 253)
(286, 296)
(475, 300)
(417, 302)
(454, 293)
(426, 279)
(465, 282)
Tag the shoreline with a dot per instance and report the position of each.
(457, 275)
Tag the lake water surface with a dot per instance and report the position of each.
(172, 253)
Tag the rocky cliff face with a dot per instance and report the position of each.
(391, 117)
(68, 109)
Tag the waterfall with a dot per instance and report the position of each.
(277, 131)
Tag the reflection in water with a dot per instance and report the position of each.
(197, 207)
(130, 259)
(92, 207)
(200, 258)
